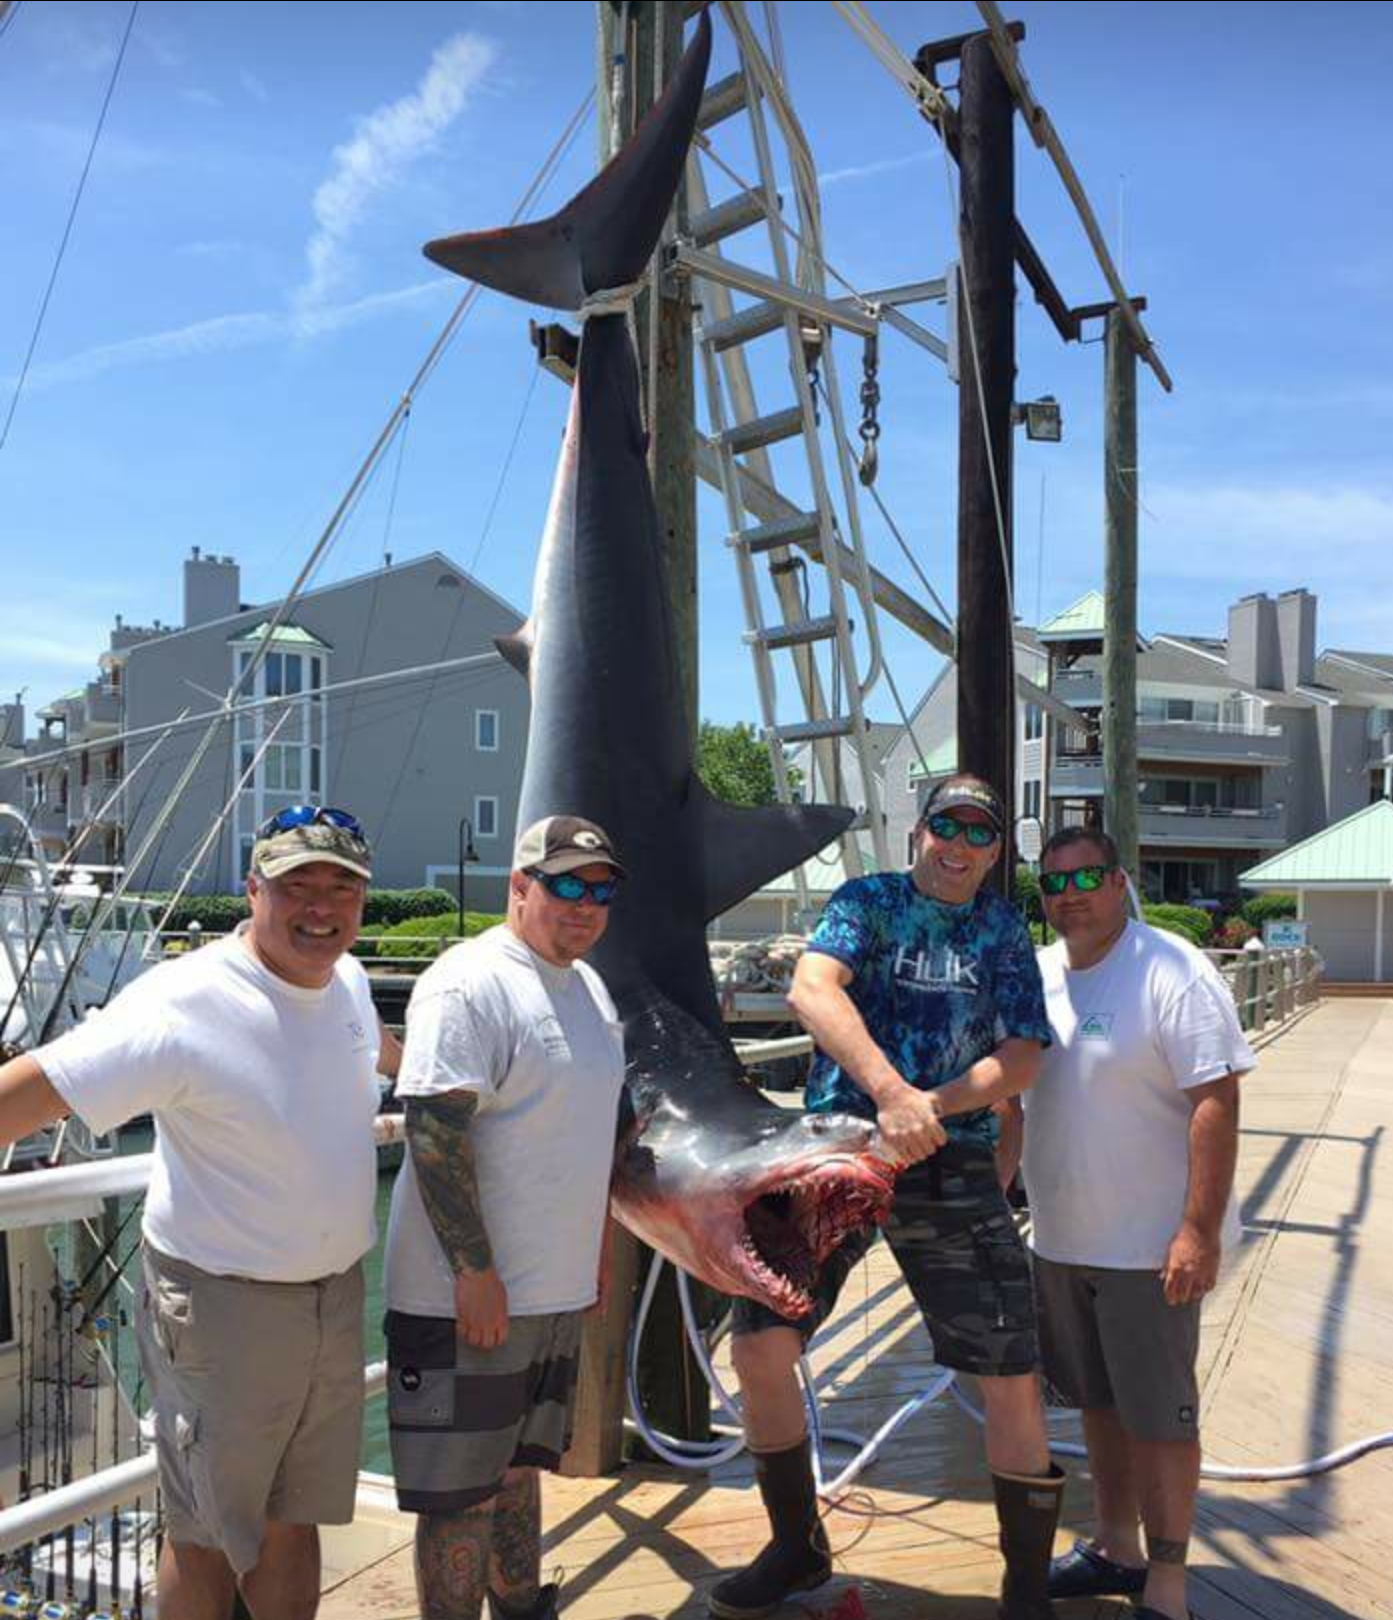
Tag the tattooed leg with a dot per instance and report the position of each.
(452, 1561)
(515, 1567)
(1167, 1478)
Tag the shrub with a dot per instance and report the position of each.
(428, 936)
(1263, 907)
(387, 907)
(1027, 895)
(1234, 934)
(220, 913)
(1188, 921)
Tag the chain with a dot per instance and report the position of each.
(870, 405)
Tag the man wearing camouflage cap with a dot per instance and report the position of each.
(257, 1057)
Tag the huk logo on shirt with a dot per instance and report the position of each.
(1096, 1027)
(358, 1034)
(937, 968)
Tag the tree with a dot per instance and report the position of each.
(734, 764)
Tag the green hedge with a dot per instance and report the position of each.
(1027, 895)
(428, 936)
(220, 913)
(1264, 907)
(1188, 921)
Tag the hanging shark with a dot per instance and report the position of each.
(744, 1194)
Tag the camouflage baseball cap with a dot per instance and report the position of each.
(282, 851)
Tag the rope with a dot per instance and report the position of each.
(68, 228)
(611, 300)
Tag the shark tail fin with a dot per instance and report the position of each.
(746, 848)
(605, 236)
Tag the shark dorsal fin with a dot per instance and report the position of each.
(516, 648)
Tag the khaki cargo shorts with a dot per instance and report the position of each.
(257, 1393)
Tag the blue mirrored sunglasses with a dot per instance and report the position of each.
(977, 833)
(567, 886)
(309, 815)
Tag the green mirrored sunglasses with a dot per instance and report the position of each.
(1084, 878)
(977, 833)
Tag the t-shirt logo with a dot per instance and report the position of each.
(937, 968)
(1096, 1027)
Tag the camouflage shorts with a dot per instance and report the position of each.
(952, 1234)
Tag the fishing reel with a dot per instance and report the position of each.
(54, 1610)
(17, 1603)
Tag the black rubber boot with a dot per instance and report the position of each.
(1028, 1512)
(543, 1609)
(797, 1559)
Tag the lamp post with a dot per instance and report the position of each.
(467, 854)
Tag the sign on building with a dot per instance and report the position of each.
(1284, 934)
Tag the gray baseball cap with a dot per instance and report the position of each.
(562, 843)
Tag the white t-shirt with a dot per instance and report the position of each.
(543, 1048)
(1107, 1124)
(263, 1096)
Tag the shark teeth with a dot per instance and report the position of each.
(794, 1225)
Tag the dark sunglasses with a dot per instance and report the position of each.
(310, 815)
(977, 833)
(1084, 878)
(567, 886)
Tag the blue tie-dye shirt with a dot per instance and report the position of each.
(938, 987)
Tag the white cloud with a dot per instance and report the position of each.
(222, 333)
(385, 143)
(863, 171)
(197, 96)
(254, 86)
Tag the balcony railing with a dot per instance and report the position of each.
(1381, 749)
(1220, 741)
(1213, 825)
(1076, 775)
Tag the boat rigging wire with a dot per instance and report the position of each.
(68, 227)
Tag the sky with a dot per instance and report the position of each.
(242, 301)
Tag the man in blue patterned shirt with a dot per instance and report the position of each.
(921, 991)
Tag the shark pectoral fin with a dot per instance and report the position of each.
(516, 649)
(746, 848)
(604, 237)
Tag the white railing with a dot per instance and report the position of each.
(55, 1510)
(1270, 988)
(41, 1197)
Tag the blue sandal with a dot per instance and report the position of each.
(1085, 1572)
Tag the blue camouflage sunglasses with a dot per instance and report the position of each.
(310, 815)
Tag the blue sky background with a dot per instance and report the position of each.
(243, 299)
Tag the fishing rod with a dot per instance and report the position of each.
(102, 911)
(50, 1573)
(95, 1411)
(114, 1581)
(26, 1422)
(55, 902)
(219, 821)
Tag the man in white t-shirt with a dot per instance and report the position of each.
(511, 1076)
(1131, 1134)
(257, 1057)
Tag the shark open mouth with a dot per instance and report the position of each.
(795, 1224)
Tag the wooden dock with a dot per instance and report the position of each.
(1297, 1359)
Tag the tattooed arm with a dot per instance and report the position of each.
(442, 1155)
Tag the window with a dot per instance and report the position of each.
(316, 784)
(486, 818)
(1032, 799)
(281, 769)
(247, 845)
(486, 730)
(1034, 722)
(273, 669)
(316, 676)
